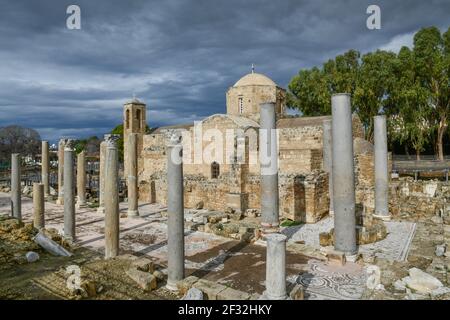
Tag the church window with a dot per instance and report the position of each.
(215, 170)
(138, 118)
(127, 119)
(241, 104)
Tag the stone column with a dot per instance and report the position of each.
(101, 178)
(268, 157)
(381, 168)
(38, 206)
(328, 161)
(45, 168)
(69, 201)
(60, 199)
(111, 196)
(175, 212)
(16, 188)
(132, 175)
(81, 180)
(275, 267)
(343, 176)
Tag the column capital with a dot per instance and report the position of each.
(69, 145)
(111, 140)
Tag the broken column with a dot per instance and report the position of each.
(112, 196)
(60, 199)
(69, 203)
(269, 168)
(16, 189)
(175, 212)
(381, 168)
(38, 206)
(327, 160)
(45, 168)
(81, 180)
(275, 267)
(101, 178)
(132, 175)
(343, 176)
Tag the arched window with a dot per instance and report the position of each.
(241, 104)
(215, 170)
(138, 118)
(127, 119)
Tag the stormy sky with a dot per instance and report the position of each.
(178, 56)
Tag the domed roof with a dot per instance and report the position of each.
(254, 79)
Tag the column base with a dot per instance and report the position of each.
(101, 210)
(267, 228)
(172, 286)
(81, 205)
(133, 213)
(351, 257)
(266, 296)
(382, 217)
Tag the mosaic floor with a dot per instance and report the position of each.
(394, 247)
(323, 281)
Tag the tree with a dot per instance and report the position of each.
(16, 139)
(375, 78)
(119, 130)
(407, 105)
(412, 88)
(431, 59)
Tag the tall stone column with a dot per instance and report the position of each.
(328, 160)
(132, 175)
(343, 176)
(268, 157)
(69, 198)
(81, 180)
(112, 197)
(16, 189)
(101, 178)
(61, 144)
(38, 206)
(381, 168)
(275, 267)
(45, 173)
(175, 212)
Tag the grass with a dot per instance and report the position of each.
(290, 223)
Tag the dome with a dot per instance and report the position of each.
(254, 79)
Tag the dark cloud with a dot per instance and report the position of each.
(178, 56)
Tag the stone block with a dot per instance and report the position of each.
(145, 280)
(297, 293)
(232, 294)
(144, 264)
(210, 289)
(185, 284)
(336, 257)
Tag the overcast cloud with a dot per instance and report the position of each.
(178, 56)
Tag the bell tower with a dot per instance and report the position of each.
(134, 121)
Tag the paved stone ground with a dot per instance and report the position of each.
(242, 266)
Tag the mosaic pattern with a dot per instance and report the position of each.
(394, 247)
(325, 282)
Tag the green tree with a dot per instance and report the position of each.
(120, 142)
(375, 78)
(431, 58)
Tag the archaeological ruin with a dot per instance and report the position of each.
(252, 204)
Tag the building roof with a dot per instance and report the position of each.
(254, 79)
(301, 122)
(241, 122)
(178, 126)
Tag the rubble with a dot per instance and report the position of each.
(421, 282)
(193, 294)
(32, 256)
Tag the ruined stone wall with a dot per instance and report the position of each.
(409, 199)
(292, 161)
